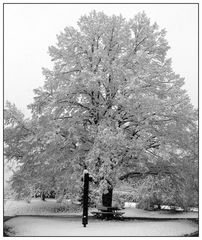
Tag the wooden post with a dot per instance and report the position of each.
(85, 197)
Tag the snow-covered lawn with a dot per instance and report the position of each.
(49, 207)
(35, 207)
(134, 212)
(55, 226)
(62, 226)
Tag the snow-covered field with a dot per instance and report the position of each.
(47, 226)
(35, 207)
(62, 226)
(50, 206)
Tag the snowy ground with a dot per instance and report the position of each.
(134, 212)
(35, 207)
(62, 226)
(49, 226)
(38, 207)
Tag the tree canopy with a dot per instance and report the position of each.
(111, 103)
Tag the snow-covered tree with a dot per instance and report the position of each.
(113, 104)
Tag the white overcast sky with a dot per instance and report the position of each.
(29, 30)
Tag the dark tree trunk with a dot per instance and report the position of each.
(42, 196)
(107, 198)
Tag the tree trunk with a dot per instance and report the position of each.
(42, 196)
(107, 198)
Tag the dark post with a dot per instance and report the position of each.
(85, 197)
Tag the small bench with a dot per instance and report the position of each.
(108, 212)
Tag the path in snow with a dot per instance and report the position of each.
(49, 226)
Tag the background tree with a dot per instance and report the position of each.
(113, 104)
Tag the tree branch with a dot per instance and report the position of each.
(141, 174)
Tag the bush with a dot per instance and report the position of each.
(120, 197)
(93, 198)
(70, 208)
(8, 231)
(155, 191)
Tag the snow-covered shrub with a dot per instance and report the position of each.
(70, 208)
(8, 231)
(93, 197)
(155, 191)
(120, 197)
